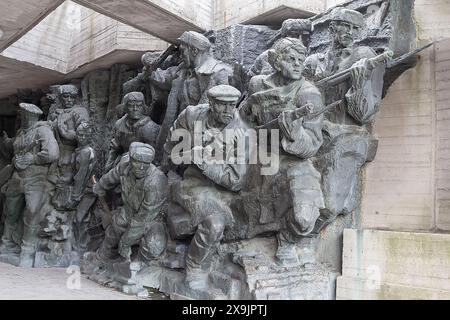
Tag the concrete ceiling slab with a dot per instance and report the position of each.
(166, 23)
(18, 17)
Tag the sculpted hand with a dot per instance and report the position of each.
(23, 161)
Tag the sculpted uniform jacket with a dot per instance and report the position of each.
(209, 188)
(41, 143)
(362, 102)
(144, 130)
(143, 198)
(267, 101)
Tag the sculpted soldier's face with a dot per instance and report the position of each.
(27, 119)
(291, 64)
(188, 54)
(139, 168)
(135, 109)
(83, 137)
(344, 33)
(68, 100)
(223, 111)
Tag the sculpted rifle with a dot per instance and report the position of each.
(385, 57)
(302, 112)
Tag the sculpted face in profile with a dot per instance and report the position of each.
(189, 54)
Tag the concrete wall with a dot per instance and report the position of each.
(407, 187)
(394, 265)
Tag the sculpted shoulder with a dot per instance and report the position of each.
(257, 83)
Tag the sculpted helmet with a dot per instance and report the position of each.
(133, 96)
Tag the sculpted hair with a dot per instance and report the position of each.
(133, 96)
(282, 45)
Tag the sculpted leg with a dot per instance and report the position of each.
(13, 208)
(33, 215)
(208, 235)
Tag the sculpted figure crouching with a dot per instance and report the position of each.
(35, 149)
(208, 189)
(297, 104)
(144, 190)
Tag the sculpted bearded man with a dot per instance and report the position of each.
(279, 96)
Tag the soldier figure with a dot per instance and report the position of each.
(144, 191)
(35, 148)
(83, 198)
(208, 189)
(190, 81)
(349, 144)
(67, 120)
(135, 126)
(279, 96)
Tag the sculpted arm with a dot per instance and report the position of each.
(48, 147)
(84, 173)
(303, 137)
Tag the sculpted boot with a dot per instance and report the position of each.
(28, 247)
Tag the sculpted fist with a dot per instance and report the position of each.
(23, 161)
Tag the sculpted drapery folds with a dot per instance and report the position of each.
(35, 149)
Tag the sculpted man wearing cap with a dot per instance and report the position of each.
(35, 148)
(134, 126)
(279, 96)
(144, 191)
(65, 123)
(208, 189)
(190, 81)
(349, 143)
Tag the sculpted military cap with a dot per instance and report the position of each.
(142, 152)
(224, 93)
(30, 108)
(195, 39)
(350, 16)
(133, 96)
(68, 88)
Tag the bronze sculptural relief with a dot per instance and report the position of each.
(194, 226)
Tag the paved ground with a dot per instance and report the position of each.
(41, 284)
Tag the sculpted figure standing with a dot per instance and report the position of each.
(280, 95)
(144, 190)
(83, 198)
(35, 148)
(134, 126)
(208, 189)
(66, 121)
(189, 82)
(350, 144)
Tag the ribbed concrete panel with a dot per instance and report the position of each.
(18, 17)
(166, 20)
